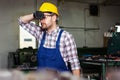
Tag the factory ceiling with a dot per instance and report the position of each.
(99, 2)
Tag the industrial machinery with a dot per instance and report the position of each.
(25, 58)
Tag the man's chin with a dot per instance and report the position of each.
(43, 28)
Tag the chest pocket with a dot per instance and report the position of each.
(51, 54)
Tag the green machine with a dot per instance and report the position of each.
(25, 59)
(113, 46)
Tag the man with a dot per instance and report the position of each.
(57, 47)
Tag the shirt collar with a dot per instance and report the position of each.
(54, 31)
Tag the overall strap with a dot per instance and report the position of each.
(59, 36)
(43, 38)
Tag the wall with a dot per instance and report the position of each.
(75, 15)
(9, 37)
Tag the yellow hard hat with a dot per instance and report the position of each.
(48, 7)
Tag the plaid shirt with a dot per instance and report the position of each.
(67, 44)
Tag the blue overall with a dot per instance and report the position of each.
(51, 57)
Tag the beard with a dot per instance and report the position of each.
(44, 27)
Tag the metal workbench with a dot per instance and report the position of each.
(103, 63)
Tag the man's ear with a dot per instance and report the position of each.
(54, 18)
